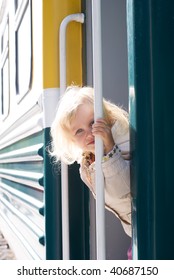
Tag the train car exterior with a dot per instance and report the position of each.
(21, 133)
(29, 92)
(151, 114)
(30, 185)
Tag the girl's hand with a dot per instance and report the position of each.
(102, 129)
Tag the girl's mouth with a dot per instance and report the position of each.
(91, 143)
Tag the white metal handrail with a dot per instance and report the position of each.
(64, 168)
(98, 89)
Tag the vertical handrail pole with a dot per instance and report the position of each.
(64, 168)
(98, 109)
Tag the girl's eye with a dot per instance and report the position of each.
(91, 123)
(78, 131)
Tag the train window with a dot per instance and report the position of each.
(4, 71)
(23, 44)
(17, 3)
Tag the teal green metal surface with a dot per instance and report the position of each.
(78, 210)
(151, 83)
(79, 215)
(52, 206)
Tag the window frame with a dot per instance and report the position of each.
(4, 58)
(20, 13)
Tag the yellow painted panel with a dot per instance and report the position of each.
(54, 11)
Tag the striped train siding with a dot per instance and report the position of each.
(21, 189)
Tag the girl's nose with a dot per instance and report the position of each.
(89, 132)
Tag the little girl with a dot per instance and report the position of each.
(73, 139)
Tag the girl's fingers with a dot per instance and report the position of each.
(101, 123)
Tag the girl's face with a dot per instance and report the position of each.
(81, 128)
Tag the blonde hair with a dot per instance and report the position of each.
(62, 146)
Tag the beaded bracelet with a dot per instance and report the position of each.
(111, 153)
